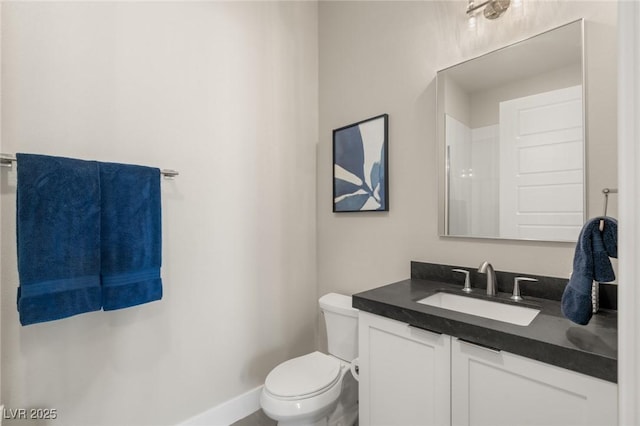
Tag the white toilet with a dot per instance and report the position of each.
(318, 389)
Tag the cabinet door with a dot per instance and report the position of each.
(404, 374)
(498, 388)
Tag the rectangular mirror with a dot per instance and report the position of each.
(511, 132)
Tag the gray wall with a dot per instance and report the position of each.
(382, 57)
(224, 92)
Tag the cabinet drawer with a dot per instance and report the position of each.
(496, 388)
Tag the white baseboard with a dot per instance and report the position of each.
(228, 412)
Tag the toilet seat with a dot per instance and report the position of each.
(311, 392)
(303, 377)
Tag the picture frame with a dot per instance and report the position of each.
(361, 166)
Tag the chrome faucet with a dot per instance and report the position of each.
(486, 268)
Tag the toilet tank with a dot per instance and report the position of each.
(342, 325)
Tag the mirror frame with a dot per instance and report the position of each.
(443, 180)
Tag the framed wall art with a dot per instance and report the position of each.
(360, 166)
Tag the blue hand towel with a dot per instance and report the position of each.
(58, 236)
(131, 234)
(590, 263)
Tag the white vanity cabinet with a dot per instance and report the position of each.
(413, 377)
(404, 374)
(499, 388)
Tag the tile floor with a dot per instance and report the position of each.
(256, 419)
(260, 419)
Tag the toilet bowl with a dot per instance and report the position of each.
(304, 390)
(318, 389)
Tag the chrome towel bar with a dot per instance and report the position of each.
(7, 160)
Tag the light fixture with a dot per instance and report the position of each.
(492, 8)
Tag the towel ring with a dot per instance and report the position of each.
(606, 192)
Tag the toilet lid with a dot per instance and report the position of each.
(303, 375)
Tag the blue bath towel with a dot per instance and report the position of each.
(58, 236)
(590, 263)
(131, 234)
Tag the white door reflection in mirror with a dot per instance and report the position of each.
(541, 158)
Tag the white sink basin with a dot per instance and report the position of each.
(518, 315)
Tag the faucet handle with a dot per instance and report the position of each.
(516, 287)
(467, 283)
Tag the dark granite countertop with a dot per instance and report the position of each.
(550, 338)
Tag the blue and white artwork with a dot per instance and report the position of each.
(360, 166)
